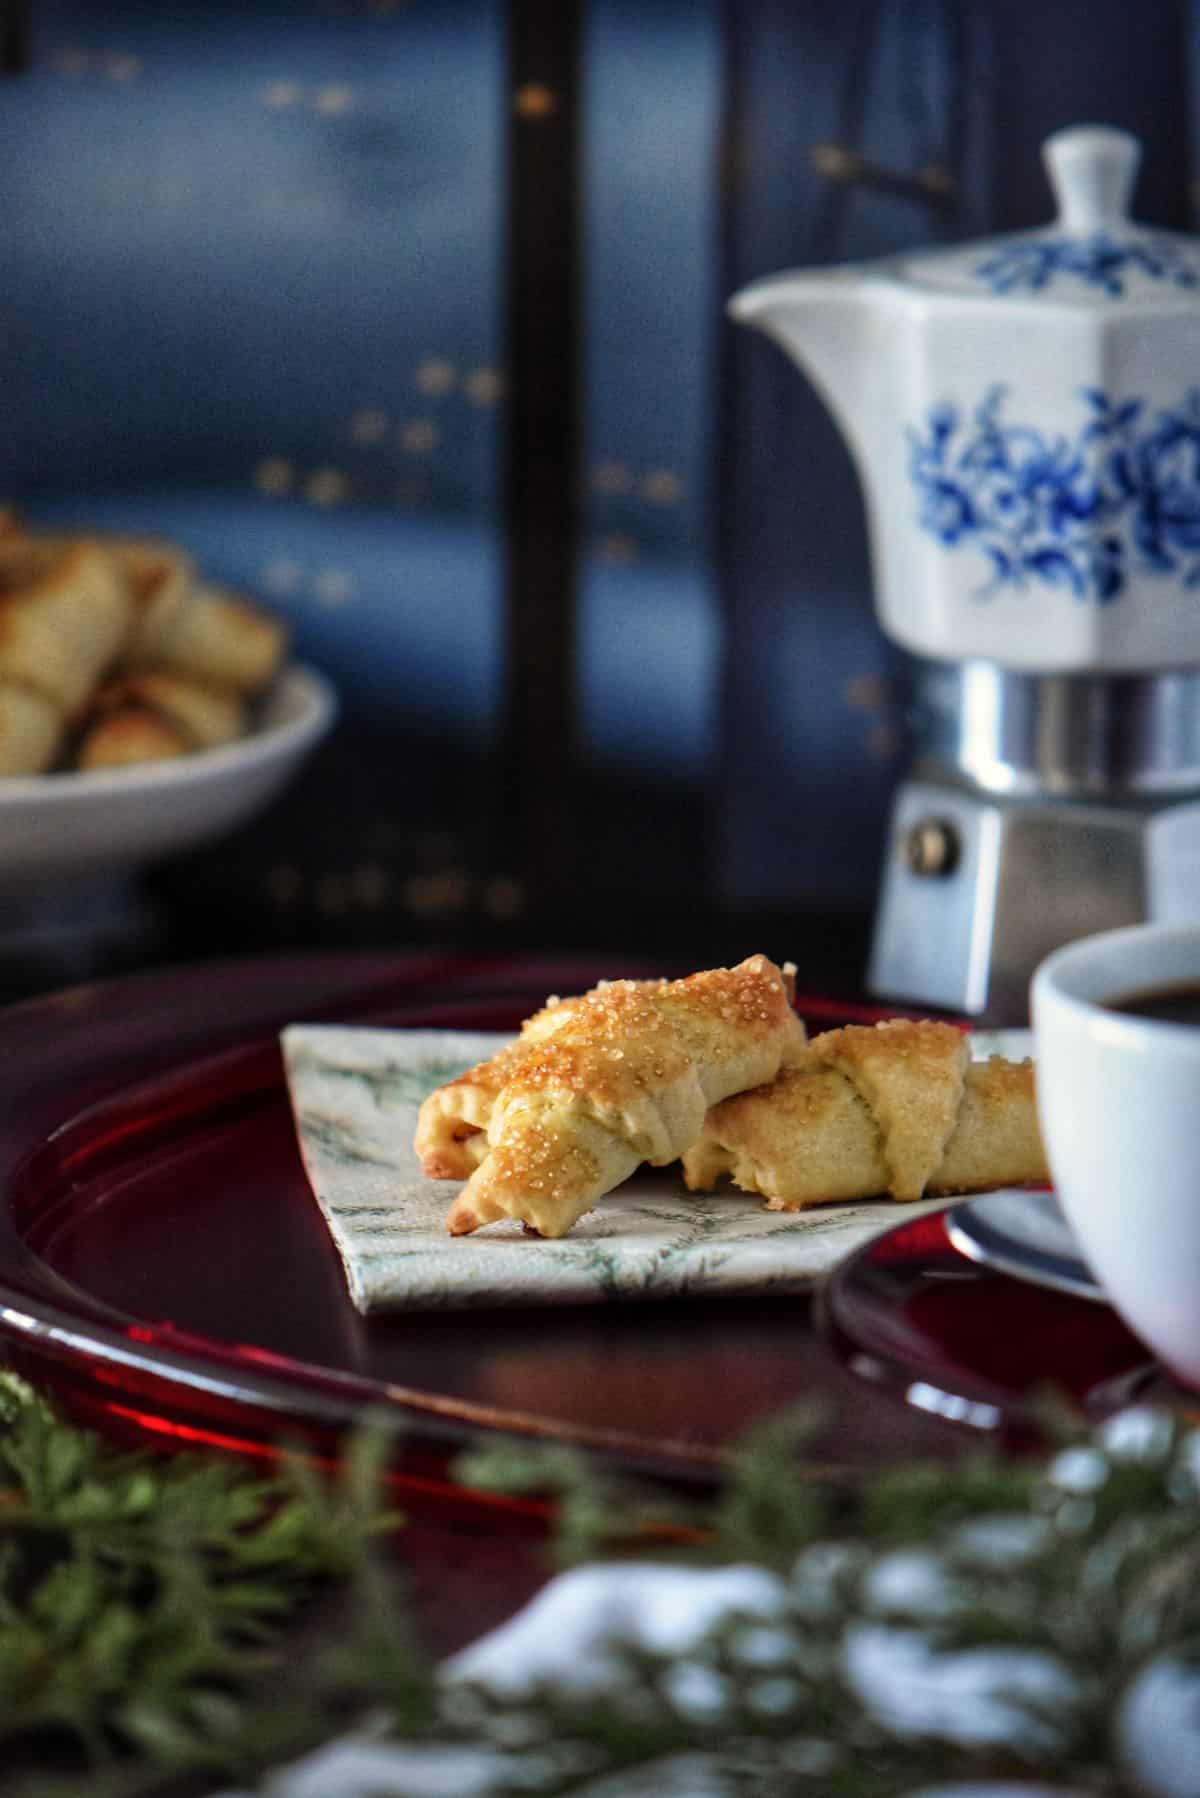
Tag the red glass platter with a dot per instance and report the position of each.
(164, 1267)
(912, 1314)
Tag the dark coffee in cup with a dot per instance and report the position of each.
(1175, 1003)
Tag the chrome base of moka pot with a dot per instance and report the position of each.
(1039, 809)
(1107, 737)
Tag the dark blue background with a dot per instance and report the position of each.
(251, 297)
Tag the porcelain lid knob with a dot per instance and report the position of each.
(1092, 169)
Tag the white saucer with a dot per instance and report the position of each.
(1015, 1229)
(1021, 1231)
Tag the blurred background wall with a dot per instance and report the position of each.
(262, 266)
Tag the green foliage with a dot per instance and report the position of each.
(761, 1516)
(144, 1599)
(1088, 1560)
(150, 1607)
(596, 1511)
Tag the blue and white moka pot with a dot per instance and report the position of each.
(1024, 414)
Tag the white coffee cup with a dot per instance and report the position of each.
(1119, 1103)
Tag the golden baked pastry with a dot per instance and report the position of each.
(199, 716)
(156, 716)
(65, 613)
(111, 653)
(161, 579)
(30, 730)
(599, 1084)
(896, 1108)
(128, 737)
(451, 1138)
(224, 640)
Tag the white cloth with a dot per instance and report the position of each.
(563, 1639)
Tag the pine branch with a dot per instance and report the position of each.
(144, 1601)
(149, 1608)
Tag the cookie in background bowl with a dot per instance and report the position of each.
(154, 716)
(65, 615)
(84, 615)
(142, 713)
(120, 817)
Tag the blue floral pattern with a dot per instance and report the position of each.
(1121, 496)
(1098, 261)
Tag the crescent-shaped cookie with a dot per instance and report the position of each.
(597, 1085)
(897, 1108)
